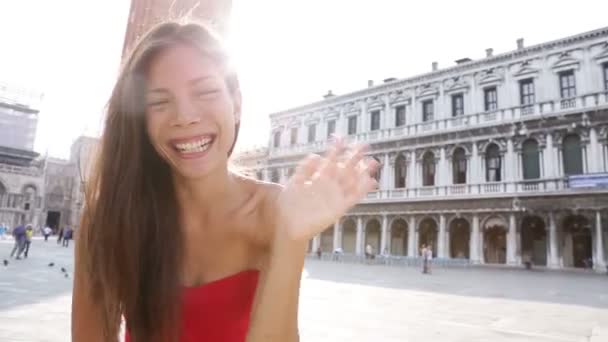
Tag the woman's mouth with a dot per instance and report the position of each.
(193, 147)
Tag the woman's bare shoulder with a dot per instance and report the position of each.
(262, 206)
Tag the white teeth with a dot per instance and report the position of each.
(194, 147)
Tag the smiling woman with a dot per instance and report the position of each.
(172, 241)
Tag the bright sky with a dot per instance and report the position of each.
(288, 53)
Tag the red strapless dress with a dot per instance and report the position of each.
(218, 311)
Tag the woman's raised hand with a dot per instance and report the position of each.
(323, 189)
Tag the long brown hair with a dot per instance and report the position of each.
(132, 239)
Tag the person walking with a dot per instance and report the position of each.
(3, 231)
(60, 236)
(67, 236)
(46, 232)
(29, 233)
(429, 259)
(19, 236)
(425, 261)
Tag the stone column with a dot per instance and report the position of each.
(550, 167)
(341, 124)
(411, 238)
(411, 171)
(363, 125)
(474, 240)
(443, 168)
(337, 234)
(388, 121)
(266, 175)
(316, 242)
(359, 245)
(593, 162)
(553, 259)
(511, 242)
(386, 176)
(419, 174)
(511, 164)
(600, 262)
(383, 238)
(441, 242)
(475, 165)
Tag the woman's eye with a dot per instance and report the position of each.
(207, 93)
(157, 103)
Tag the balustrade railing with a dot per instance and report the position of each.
(464, 190)
(470, 120)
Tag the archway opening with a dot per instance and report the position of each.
(399, 237)
(534, 240)
(427, 235)
(460, 235)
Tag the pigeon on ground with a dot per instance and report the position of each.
(66, 275)
(5, 262)
(63, 270)
(51, 264)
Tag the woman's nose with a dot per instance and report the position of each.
(186, 114)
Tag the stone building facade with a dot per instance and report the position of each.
(500, 160)
(43, 190)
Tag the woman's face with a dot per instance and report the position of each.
(190, 112)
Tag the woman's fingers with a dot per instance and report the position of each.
(357, 154)
(307, 168)
(336, 150)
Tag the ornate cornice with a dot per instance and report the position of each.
(495, 61)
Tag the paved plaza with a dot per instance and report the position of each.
(353, 302)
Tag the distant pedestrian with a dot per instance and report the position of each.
(319, 252)
(429, 259)
(3, 231)
(47, 232)
(369, 253)
(60, 236)
(29, 233)
(336, 254)
(67, 235)
(425, 261)
(19, 236)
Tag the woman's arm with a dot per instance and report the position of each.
(319, 193)
(275, 313)
(274, 316)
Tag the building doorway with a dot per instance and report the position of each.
(427, 233)
(399, 237)
(534, 241)
(372, 235)
(52, 220)
(577, 245)
(460, 237)
(349, 236)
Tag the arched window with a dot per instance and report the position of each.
(276, 139)
(428, 169)
(493, 164)
(378, 174)
(274, 176)
(459, 166)
(400, 172)
(572, 155)
(531, 159)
